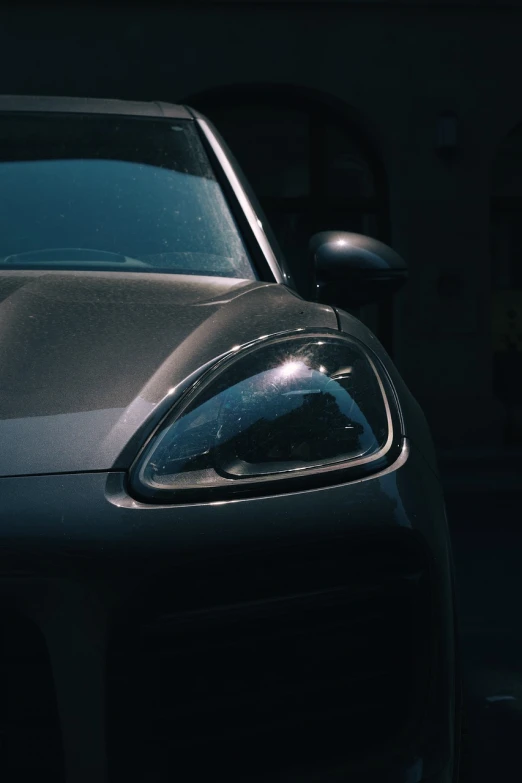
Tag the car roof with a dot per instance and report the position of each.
(48, 103)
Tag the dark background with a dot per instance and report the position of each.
(402, 120)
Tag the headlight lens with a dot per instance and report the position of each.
(281, 409)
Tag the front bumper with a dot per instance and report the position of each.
(301, 637)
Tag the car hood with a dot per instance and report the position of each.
(86, 359)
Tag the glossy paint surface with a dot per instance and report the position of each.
(87, 357)
(89, 365)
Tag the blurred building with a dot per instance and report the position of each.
(402, 120)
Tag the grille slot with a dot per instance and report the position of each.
(338, 666)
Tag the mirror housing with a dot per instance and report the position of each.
(352, 270)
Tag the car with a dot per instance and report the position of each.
(225, 552)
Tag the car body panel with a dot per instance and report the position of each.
(90, 363)
(87, 357)
(95, 510)
(90, 544)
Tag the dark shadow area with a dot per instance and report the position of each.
(30, 734)
(487, 542)
(367, 124)
(320, 665)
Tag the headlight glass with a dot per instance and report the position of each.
(280, 409)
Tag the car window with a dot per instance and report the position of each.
(130, 194)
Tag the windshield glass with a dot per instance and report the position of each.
(130, 194)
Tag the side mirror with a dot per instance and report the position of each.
(352, 270)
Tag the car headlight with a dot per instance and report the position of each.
(291, 408)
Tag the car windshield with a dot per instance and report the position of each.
(85, 192)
